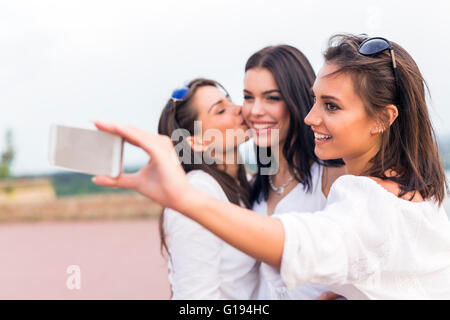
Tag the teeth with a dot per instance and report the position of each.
(321, 136)
(262, 126)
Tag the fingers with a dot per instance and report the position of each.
(329, 295)
(134, 136)
(159, 147)
(125, 181)
(137, 137)
(323, 296)
(105, 126)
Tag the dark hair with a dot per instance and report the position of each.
(408, 146)
(181, 115)
(294, 76)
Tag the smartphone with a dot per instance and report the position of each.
(83, 150)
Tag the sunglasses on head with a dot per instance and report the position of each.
(376, 45)
(179, 94)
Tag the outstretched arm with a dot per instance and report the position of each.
(163, 180)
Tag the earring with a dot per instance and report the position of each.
(378, 130)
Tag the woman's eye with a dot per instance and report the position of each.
(331, 106)
(274, 98)
(221, 111)
(248, 97)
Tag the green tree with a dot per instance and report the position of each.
(7, 156)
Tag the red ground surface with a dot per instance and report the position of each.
(117, 259)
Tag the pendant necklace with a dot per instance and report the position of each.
(280, 189)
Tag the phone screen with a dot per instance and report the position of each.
(84, 150)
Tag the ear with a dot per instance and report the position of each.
(196, 144)
(391, 113)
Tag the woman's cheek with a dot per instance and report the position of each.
(245, 113)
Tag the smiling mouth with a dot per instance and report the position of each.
(321, 137)
(263, 127)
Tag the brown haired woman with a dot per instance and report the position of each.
(277, 98)
(383, 233)
(201, 265)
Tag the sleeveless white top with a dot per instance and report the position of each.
(298, 199)
(369, 244)
(201, 265)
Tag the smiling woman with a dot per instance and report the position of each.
(337, 111)
(386, 93)
(276, 99)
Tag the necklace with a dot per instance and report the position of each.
(280, 189)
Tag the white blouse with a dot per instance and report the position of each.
(201, 265)
(369, 244)
(298, 199)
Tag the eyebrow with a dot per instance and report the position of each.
(215, 104)
(265, 92)
(329, 97)
(324, 96)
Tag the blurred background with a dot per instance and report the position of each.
(71, 62)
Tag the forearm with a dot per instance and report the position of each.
(259, 236)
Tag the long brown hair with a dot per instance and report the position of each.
(294, 76)
(181, 115)
(408, 146)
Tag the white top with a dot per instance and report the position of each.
(298, 199)
(369, 244)
(201, 265)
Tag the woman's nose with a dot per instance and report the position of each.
(257, 108)
(313, 117)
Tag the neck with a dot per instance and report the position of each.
(283, 166)
(358, 164)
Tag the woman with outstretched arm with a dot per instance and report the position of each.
(383, 233)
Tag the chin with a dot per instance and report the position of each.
(265, 141)
(324, 155)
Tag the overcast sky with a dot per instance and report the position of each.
(75, 61)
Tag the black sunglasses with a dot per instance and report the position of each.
(375, 45)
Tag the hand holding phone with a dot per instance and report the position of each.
(84, 150)
(161, 179)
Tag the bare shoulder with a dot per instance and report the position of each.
(394, 188)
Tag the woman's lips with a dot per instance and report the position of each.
(263, 127)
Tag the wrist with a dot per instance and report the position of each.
(187, 200)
